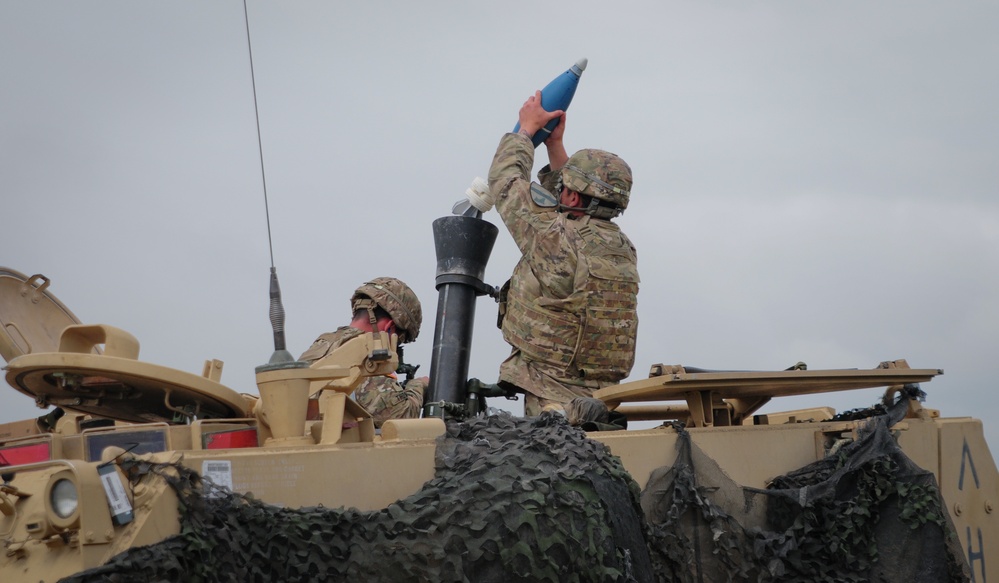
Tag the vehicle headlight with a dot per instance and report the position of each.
(64, 498)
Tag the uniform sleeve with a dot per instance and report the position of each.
(329, 342)
(510, 185)
(548, 179)
(319, 349)
(414, 389)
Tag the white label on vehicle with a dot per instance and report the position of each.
(116, 493)
(219, 472)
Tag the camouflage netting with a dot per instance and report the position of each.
(865, 513)
(512, 500)
(534, 500)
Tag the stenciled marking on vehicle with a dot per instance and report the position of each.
(973, 556)
(966, 457)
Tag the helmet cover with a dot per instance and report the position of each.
(398, 300)
(599, 174)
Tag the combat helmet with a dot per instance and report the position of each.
(396, 298)
(601, 175)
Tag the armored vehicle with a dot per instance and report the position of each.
(144, 472)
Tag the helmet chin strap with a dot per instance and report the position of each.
(380, 349)
(594, 209)
(604, 212)
(563, 208)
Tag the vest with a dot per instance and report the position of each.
(591, 334)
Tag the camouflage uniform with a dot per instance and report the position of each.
(383, 396)
(570, 311)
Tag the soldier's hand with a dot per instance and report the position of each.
(557, 133)
(557, 156)
(533, 117)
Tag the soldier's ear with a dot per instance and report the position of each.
(572, 198)
(386, 325)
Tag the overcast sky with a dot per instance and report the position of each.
(814, 181)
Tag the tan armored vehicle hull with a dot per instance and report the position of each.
(372, 474)
(78, 491)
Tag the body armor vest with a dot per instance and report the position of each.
(590, 334)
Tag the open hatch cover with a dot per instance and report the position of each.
(31, 317)
(73, 372)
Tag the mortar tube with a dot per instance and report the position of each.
(463, 245)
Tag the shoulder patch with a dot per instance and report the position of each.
(542, 197)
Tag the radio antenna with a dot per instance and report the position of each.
(281, 353)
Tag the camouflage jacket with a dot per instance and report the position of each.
(571, 308)
(383, 396)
